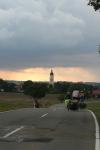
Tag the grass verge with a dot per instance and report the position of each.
(95, 107)
(9, 101)
(4, 106)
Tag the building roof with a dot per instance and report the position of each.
(96, 92)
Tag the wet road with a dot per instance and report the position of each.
(47, 129)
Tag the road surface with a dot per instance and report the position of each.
(51, 128)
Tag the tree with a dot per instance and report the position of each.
(95, 4)
(35, 90)
(7, 87)
(62, 87)
(27, 87)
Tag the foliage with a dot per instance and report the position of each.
(37, 90)
(62, 87)
(7, 87)
(34, 89)
(95, 4)
(27, 87)
(95, 107)
(68, 87)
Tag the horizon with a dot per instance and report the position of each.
(42, 74)
(54, 81)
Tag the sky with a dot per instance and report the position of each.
(39, 35)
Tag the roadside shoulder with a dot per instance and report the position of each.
(97, 131)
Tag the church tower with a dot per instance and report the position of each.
(51, 78)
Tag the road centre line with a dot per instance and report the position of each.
(14, 131)
(97, 142)
(44, 115)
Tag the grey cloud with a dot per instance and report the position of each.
(46, 33)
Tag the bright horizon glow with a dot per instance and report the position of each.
(74, 74)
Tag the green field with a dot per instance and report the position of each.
(95, 107)
(10, 101)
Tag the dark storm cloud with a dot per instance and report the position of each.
(46, 33)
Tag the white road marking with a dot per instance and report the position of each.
(16, 130)
(97, 142)
(44, 115)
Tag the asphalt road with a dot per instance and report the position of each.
(47, 129)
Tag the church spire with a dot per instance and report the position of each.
(52, 78)
(51, 73)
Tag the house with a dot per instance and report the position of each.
(96, 93)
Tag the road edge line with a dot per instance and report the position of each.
(97, 131)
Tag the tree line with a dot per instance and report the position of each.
(29, 87)
(37, 90)
(7, 87)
